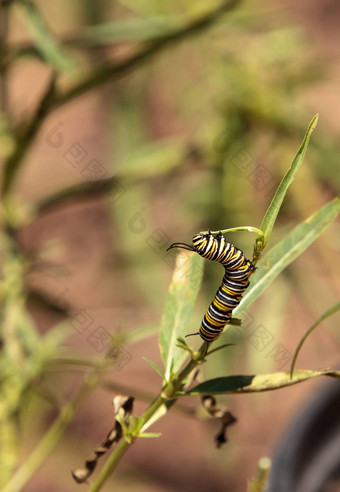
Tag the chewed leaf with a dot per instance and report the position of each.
(180, 301)
(256, 383)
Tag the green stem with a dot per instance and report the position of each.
(259, 244)
(110, 465)
(234, 229)
(120, 450)
(151, 410)
(38, 456)
(169, 392)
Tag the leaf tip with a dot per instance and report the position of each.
(314, 122)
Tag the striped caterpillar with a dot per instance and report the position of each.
(234, 283)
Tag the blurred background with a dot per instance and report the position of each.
(195, 136)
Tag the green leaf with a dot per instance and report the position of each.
(178, 309)
(47, 43)
(154, 366)
(325, 315)
(275, 205)
(181, 343)
(285, 252)
(133, 29)
(149, 435)
(256, 383)
(160, 412)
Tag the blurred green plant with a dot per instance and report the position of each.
(259, 483)
(252, 101)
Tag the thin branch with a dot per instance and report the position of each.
(140, 29)
(27, 135)
(3, 51)
(114, 387)
(102, 74)
(109, 72)
(110, 465)
(83, 190)
(47, 302)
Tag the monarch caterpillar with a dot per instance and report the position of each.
(234, 283)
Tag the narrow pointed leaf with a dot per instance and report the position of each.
(150, 435)
(162, 410)
(256, 383)
(46, 41)
(179, 305)
(325, 315)
(275, 205)
(181, 342)
(154, 366)
(285, 252)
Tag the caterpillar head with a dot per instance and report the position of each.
(203, 242)
(200, 240)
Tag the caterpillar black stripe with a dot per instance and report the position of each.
(234, 283)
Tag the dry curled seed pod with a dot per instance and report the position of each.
(226, 417)
(123, 406)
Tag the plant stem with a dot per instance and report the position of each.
(110, 465)
(151, 410)
(82, 190)
(115, 457)
(168, 393)
(47, 443)
(27, 135)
